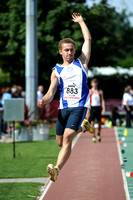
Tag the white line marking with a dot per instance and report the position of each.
(46, 188)
(123, 171)
(49, 183)
(76, 139)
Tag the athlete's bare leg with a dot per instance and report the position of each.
(59, 138)
(87, 114)
(93, 134)
(99, 128)
(66, 147)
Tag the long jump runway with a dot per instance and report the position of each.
(93, 171)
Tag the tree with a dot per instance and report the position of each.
(4, 78)
(109, 32)
(12, 39)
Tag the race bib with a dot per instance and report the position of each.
(72, 91)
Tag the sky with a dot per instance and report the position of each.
(119, 4)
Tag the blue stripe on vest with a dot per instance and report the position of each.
(77, 63)
(85, 90)
(64, 102)
(59, 69)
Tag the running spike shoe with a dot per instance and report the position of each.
(53, 172)
(94, 139)
(87, 126)
(99, 138)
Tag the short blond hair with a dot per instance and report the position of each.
(66, 40)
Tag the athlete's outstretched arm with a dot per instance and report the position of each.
(86, 48)
(51, 91)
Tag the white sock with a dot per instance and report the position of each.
(58, 169)
(83, 128)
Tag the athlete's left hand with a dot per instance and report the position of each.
(76, 17)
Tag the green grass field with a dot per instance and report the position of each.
(52, 133)
(127, 153)
(31, 158)
(19, 191)
(31, 161)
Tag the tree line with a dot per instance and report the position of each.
(112, 36)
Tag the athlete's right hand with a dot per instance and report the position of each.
(40, 103)
(76, 17)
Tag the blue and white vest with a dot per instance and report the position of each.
(73, 88)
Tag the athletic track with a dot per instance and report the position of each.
(92, 173)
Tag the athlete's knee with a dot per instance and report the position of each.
(68, 137)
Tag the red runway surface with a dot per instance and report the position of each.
(92, 173)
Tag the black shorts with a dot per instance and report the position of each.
(95, 113)
(70, 118)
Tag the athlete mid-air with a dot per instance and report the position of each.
(71, 79)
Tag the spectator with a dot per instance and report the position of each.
(19, 91)
(6, 95)
(14, 92)
(131, 91)
(128, 104)
(115, 117)
(40, 92)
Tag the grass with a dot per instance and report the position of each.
(19, 191)
(52, 133)
(31, 161)
(31, 158)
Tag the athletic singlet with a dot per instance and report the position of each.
(95, 98)
(73, 88)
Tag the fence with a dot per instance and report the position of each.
(51, 109)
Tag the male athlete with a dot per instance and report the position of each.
(71, 79)
(97, 104)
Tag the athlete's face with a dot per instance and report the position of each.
(94, 84)
(67, 52)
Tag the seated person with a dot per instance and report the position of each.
(115, 117)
